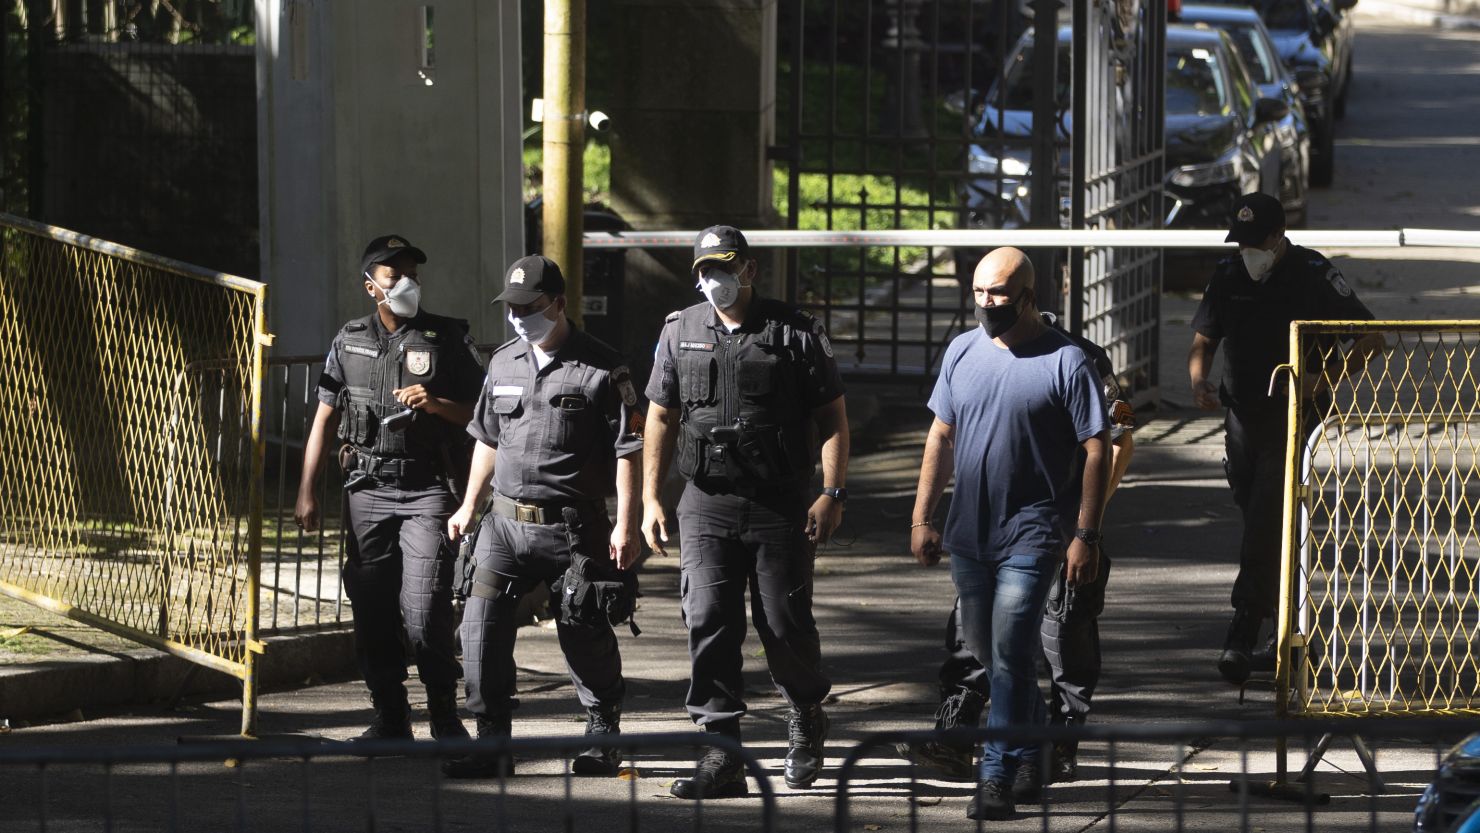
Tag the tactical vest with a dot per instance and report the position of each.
(743, 420)
(373, 367)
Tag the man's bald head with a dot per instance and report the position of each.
(1007, 269)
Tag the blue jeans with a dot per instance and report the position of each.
(1001, 611)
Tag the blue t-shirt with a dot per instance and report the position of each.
(1020, 417)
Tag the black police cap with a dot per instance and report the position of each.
(720, 244)
(530, 277)
(386, 247)
(1253, 218)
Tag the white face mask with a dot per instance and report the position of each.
(404, 299)
(1258, 261)
(533, 328)
(720, 287)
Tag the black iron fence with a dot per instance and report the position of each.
(1361, 776)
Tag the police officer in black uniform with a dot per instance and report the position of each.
(1070, 632)
(398, 387)
(557, 434)
(739, 383)
(1249, 305)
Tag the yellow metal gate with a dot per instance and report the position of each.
(131, 444)
(1381, 589)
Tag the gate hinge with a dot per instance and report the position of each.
(256, 646)
(266, 339)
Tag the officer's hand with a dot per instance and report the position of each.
(306, 512)
(459, 523)
(1205, 396)
(655, 526)
(415, 398)
(625, 547)
(1084, 563)
(823, 519)
(925, 545)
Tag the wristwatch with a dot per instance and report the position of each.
(838, 493)
(1088, 536)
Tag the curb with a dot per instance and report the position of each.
(146, 675)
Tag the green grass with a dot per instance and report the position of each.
(596, 162)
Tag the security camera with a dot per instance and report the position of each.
(599, 121)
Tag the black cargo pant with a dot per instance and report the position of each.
(1071, 644)
(398, 576)
(731, 543)
(524, 555)
(1254, 449)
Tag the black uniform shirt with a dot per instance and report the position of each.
(808, 341)
(1253, 319)
(458, 380)
(559, 431)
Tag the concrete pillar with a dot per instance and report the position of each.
(691, 128)
(371, 124)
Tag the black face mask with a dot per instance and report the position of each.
(999, 319)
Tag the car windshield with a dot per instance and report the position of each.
(1195, 83)
(1254, 49)
(1019, 84)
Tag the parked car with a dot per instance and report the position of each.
(1258, 51)
(1220, 135)
(1315, 41)
(1452, 802)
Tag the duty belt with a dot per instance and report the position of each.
(542, 512)
(396, 468)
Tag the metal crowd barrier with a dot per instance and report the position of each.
(1381, 590)
(1207, 775)
(130, 492)
(304, 784)
(1214, 775)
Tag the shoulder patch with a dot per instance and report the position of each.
(622, 378)
(822, 340)
(1334, 277)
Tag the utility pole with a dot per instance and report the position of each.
(564, 143)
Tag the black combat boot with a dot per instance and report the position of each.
(442, 712)
(392, 720)
(717, 775)
(992, 802)
(484, 764)
(1263, 659)
(1065, 764)
(1238, 646)
(600, 760)
(806, 732)
(961, 710)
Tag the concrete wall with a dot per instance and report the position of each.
(358, 139)
(690, 134)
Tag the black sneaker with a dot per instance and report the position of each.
(806, 733)
(1027, 784)
(992, 802)
(717, 775)
(600, 760)
(950, 761)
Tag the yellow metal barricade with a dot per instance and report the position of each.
(1380, 602)
(131, 444)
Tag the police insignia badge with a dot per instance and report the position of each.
(1339, 283)
(419, 362)
(710, 241)
(1245, 214)
(623, 379)
(517, 276)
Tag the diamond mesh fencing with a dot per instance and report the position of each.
(1381, 543)
(130, 453)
